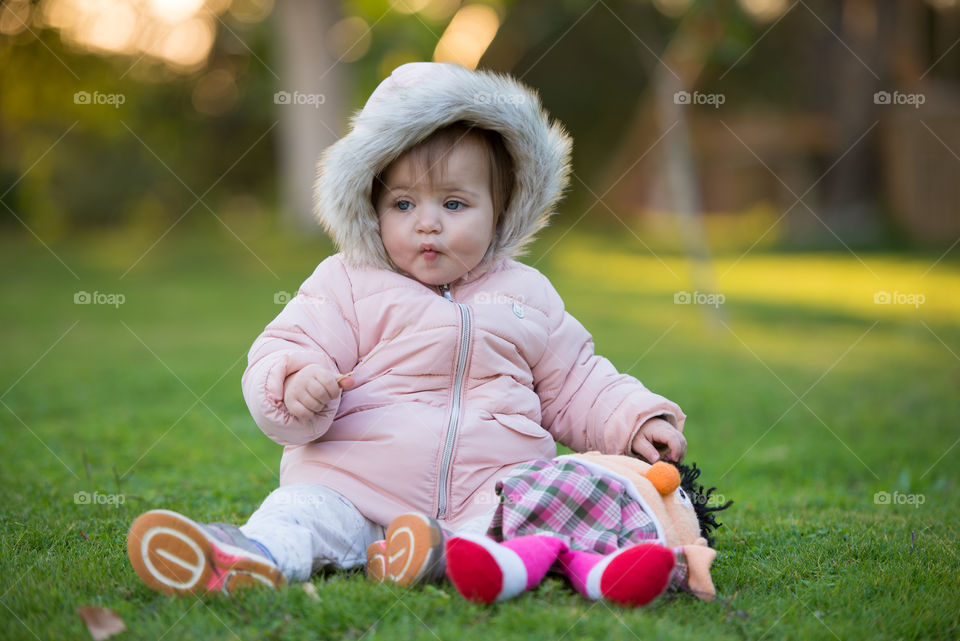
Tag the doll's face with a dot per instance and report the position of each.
(674, 508)
(679, 507)
(436, 228)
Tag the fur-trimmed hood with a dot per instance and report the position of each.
(417, 99)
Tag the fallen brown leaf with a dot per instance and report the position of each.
(102, 623)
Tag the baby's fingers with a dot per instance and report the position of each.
(674, 440)
(645, 448)
(298, 410)
(323, 388)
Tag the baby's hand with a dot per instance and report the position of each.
(658, 434)
(310, 389)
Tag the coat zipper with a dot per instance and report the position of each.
(455, 410)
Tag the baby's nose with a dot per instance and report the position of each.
(428, 218)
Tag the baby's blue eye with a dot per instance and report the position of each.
(454, 205)
(404, 205)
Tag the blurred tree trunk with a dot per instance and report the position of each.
(311, 101)
(682, 62)
(857, 69)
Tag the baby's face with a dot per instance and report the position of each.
(437, 232)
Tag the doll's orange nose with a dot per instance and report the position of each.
(664, 476)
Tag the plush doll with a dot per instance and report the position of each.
(618, 528)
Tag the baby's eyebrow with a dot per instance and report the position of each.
(457, 188)
(447, 188)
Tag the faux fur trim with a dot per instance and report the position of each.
(414, 101)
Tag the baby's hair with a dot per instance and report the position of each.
(706, 515)
(430, 153)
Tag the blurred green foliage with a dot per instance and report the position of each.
(68, 167)
(147, 159)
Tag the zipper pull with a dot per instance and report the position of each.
(445, 290)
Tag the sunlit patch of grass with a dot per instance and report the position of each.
(869, 286)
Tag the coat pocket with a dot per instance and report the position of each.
(521, 424)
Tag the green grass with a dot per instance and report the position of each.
(144, 401)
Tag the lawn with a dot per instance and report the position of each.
(805, 399)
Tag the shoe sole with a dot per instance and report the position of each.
(414, 550)
(173, 555)
(377, 561)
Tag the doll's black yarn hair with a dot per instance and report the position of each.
(706, 514)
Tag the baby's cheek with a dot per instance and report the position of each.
(391, 240)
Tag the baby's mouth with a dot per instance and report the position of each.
(429, 253)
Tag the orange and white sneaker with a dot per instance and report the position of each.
(175, 555)
(377, 561)
(412, 553)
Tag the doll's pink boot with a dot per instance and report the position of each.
(632, 576)
(486, 571)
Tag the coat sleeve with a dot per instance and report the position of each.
(585, 403)
(317, 326)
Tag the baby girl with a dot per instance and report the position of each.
(420, 364)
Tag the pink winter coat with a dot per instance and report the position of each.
(469, 388)
(485, 374)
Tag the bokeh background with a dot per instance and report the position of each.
(808, 124)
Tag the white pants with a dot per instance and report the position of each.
(307, 527)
